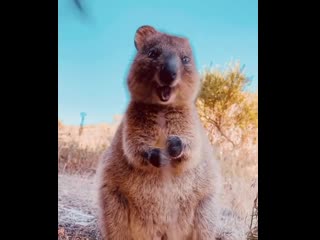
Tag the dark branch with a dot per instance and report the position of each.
(79, 5)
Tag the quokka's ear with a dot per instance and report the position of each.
(141, 34)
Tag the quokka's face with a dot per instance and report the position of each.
(163, 71)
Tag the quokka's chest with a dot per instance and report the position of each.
(173, 123)
(172, 119)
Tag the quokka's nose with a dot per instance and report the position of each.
(169, 70)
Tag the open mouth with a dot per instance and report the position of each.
(164, 93)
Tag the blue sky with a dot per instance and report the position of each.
(95, 52)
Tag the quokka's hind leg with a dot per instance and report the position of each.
(206, 220)
(114, 216)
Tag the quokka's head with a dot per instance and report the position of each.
(163, 71)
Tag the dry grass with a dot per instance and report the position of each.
(80, 154)
(78, 157)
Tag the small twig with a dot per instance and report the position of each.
(252, 231)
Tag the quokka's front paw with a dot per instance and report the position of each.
(155, 157)
(174, 146)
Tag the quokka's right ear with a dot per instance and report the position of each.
(141, 35)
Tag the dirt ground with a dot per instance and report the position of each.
(77, 208)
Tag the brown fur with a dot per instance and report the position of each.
(179, 199)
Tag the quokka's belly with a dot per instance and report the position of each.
(158, 222)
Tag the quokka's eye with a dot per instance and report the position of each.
(152, 53)
(185, 60)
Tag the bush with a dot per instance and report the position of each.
(230, 115)
(227, 111)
